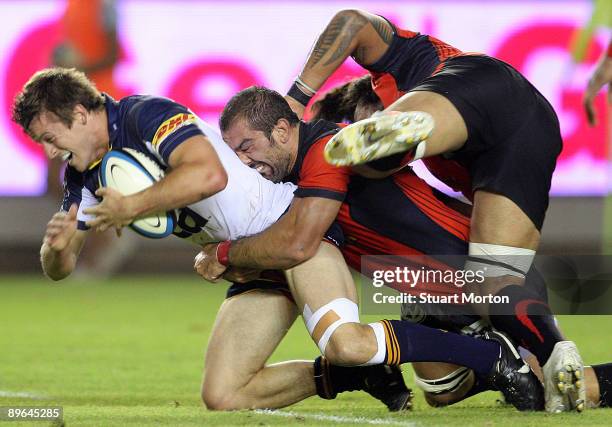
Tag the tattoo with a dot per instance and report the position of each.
(326, 40)
(342, 27)
(356, 23)
(383, 29)
(359, 54)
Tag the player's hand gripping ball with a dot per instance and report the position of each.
(129, 171)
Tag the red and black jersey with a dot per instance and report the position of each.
(398, 215)
(312, 174)
(410, 59)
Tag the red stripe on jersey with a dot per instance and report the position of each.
(443, 50)
(385, 87)
(406, 33)
(422, 195)
(452, 173)
(362, 241)
(316, 173)
(418, 187)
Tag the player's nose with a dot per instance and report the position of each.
(245, 159)
(50, 151)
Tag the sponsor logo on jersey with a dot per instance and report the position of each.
(172, 125)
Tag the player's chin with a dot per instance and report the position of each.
(73, 163)
(274, 177)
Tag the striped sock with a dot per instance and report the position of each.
(411, 342)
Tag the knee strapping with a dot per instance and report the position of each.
(323, 323)
(497, 260)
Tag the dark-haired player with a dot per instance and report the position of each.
(483, 114)
(260, 127)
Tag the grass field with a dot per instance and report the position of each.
(130, 352)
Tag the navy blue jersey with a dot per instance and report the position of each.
(148, 124)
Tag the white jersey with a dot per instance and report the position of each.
(248, 205)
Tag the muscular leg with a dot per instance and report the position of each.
(323, 289)
(490, 210)
(498, 228)
(450, 131)
(242, 340)
(318, 282)
(517, 232)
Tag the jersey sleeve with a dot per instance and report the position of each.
(320, 179)
(335, 235)
(164, 124)
(76, 192)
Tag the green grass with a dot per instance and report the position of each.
(130, 352)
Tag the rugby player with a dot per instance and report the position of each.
(260, 126)
(485, 116)
(62, 110)
(443, 384)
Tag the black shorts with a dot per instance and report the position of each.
(258, 285)
(513, 132)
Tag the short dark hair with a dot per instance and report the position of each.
(339, 104)
(57, 90)
(261, 107)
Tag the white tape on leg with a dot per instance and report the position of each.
(379, 357)
(323, 322)
(498, 260)
(446, 384)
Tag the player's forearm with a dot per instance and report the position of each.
(187, 184)
(337, 42)
(57, 265)
(265, 254)
(293, 239)
(282, 246)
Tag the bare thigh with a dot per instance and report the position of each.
(247, 330)
(450, 131)
(321, 280)
(498, 220)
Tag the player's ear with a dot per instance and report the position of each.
(281, 131)
(79, 114)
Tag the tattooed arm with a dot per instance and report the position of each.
(355, 33)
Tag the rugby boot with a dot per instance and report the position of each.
(379, 136)
(564, 379)
(514, 378)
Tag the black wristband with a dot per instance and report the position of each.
(296, 93)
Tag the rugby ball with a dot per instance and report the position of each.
(130, 171)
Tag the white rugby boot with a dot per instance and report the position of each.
(564, 379)
(379, 136)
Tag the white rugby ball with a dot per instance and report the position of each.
(130, 171)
